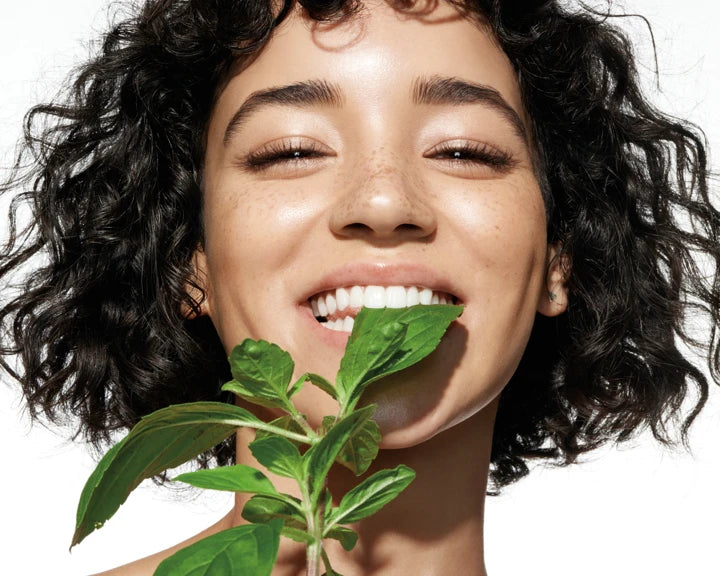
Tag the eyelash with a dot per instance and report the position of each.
(282, 151)
(461, 154)
(473, 153)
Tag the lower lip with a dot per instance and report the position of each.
(332, 338)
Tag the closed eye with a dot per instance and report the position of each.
(463, 153)
(290, 152)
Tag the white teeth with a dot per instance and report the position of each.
(343, 298)
(374, 297)
(356, 297)
(330, 303)
(341, 324)
(322, 307)
(396, 297)
(413, 296)
(333, 303)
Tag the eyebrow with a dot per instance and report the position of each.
(432, 90)
(438, 90)
(300, 94)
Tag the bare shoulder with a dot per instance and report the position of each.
(146, 566)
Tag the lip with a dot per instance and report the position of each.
(383, 274)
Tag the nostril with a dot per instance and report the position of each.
(405, 230)
(408, 228)
(357, 227)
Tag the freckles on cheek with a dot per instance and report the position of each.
(505, 233)
(257, 223)
(233, 210)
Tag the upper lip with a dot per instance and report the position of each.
(384, 274)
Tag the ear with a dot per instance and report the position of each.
(197, 287)
(553, 301)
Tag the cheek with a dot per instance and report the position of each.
(255, 244)
(501, 228)
(508, 249)
(254, 227)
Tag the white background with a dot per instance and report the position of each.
(635, 510)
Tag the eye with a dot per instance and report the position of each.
(288, 152)
(468, 154)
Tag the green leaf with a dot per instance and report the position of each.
(367, 354)
(346, 536)
(287, 423)
(264, 509)
(238, 478)
(262, 372)
(320, 457)
(297, 386)
(426, 326)
(279, 456)
(249, 550)
(317, 380)
(371, 495)
(377, 348)
(95, 481)
(298, 535)
(361, 449)
(164, 439)
(326, 561)
(327, 423)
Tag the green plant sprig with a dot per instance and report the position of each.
(383, 341)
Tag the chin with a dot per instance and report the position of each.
(401, 431)
(405, 422)
(407, 436)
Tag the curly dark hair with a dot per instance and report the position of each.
(100, 329)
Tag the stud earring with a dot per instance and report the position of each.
(552, 296)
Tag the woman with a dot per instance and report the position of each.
(546, 231)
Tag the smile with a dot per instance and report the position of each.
(336, 309)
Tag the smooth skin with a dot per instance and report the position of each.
(371, 181)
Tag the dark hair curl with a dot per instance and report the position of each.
(116, 203)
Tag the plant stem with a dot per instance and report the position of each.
(314, 550)
(314, 521)
(314, 558)
(300, 421)
(280, 432)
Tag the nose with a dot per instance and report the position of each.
(383, 202)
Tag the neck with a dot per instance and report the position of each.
(434, 527)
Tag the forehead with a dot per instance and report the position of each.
(375, 51)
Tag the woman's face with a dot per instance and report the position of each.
(390, 150)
